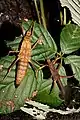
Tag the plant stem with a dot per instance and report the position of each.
(42, 14)
(36, 6)
(61, 17)
(64, 16)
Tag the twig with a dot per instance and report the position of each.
(42, 14)
(36, 6)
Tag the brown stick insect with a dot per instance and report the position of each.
(23, 57)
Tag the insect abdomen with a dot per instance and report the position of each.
(21, 71)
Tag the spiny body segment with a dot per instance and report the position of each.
(24, 57)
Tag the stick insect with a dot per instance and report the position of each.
(23, 56)
(56, 77)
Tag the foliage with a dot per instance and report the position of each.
(12, 98)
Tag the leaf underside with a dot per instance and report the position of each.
(74, 7)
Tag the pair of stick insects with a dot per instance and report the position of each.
(24, 57)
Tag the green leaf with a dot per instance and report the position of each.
(48, 47)
(44, 97)
(70, 38)
(9, 94)
(74, 61)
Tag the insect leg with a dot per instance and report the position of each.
(67, 76)
(12, 64)
(36, 71)
(40, 69)
(37, 42)
(33, 67)
(59, 65)
(13, 52)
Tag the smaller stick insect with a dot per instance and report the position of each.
(56, 77)
(24, 56)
